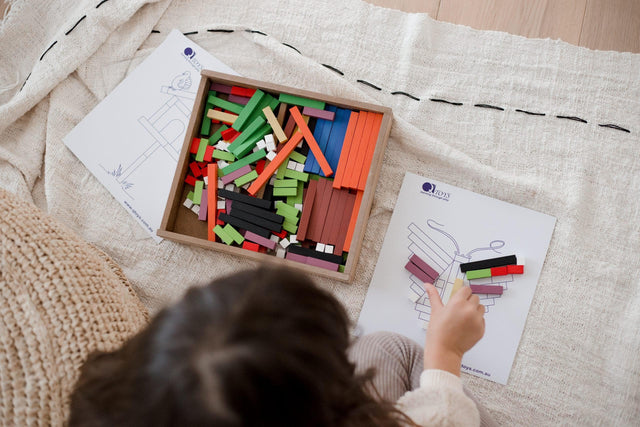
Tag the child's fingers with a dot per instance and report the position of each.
(474, 299)
(434, 296)
(463, 294)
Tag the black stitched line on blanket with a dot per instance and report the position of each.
(333, 69)
(25, 82)
(45, 52)
(399, 92)
(100, 4)
(288, 45)
(368, 84)
(612, 126)
(221, 30)
(493, 107)
(531, 113)
(445, 101)
(578, 119)
(255, 32)
(76, 24)
(574, 118)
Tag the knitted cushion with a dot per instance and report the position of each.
(60, 299)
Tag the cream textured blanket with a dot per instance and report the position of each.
(538, 123)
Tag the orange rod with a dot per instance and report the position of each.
(371, 146)
(346, 147)
(313, 144)
(275, 163)
(359, 145)
(212, 200)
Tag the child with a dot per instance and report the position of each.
(268, 348)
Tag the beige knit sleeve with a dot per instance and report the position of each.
(60, 300)
(439, 401)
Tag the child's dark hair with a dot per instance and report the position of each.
(259, 348)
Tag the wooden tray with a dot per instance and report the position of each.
(181, 225)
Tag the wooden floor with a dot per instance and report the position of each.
(596, 24)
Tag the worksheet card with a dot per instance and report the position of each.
(132, 139)
(446, 226)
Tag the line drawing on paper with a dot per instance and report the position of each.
(446, 262)
(165, 126)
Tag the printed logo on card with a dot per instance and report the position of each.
(190, 55)
(430, 189)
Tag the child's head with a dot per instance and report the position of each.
(261, 347)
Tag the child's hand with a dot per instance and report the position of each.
(453, 329)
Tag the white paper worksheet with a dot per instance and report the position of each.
(132, 139)
(446, 226)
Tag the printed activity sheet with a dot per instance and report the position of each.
(132, 139)
(446, 226)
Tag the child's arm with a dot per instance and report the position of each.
(453, 330)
